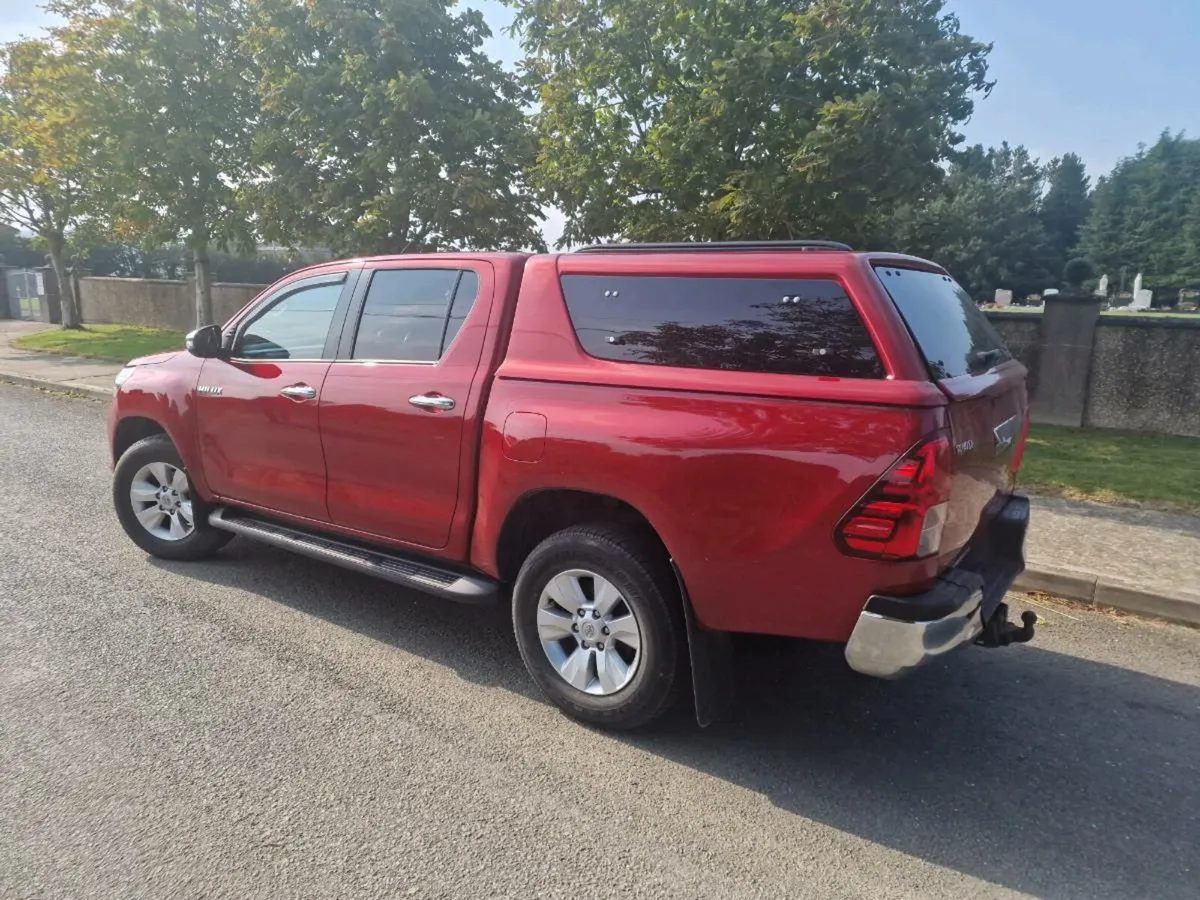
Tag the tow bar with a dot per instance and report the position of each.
(999, 632)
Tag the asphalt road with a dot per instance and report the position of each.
(265, 725)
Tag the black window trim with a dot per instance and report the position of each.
(885, 372)
(349, 332)
(346, 277)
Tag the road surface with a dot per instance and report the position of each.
(263, 725)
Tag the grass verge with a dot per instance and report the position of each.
(114, 343)
(1114, 467)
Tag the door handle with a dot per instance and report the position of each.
(299, 392)
(431, 401)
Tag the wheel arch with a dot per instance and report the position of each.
(131, 429)
(539, 513)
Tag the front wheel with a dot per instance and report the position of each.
(599, 626)
(154, 502)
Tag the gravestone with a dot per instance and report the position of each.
(1003, 297)
(1102, 287)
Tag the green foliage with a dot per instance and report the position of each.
(711, 119)
(386, 129)
(1146, 216)
(50, 149)
(1066, 205)
(17, 250)
(983, 224)
(179, 99)
(1077, 271)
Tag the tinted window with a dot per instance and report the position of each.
(293, 328)
(953, 334)
(404, 314)
(464, 299)
(779, 325)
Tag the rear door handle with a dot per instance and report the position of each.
(299, 392)
(431, 401)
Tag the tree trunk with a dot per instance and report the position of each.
(66, 287)
(204, 305)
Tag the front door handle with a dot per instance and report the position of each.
(431, 401)
(299, 392)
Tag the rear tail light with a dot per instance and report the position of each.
(1019, 453)
(903, 515)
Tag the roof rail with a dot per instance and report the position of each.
(714, 246)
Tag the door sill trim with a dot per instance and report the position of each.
(394, 567)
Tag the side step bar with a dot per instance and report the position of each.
(420, 576)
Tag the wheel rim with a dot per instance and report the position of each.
(589, 632)
(161, 499)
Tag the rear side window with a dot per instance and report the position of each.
(786, 326)
(951, 331)
(407, 313)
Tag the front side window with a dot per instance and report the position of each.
(412, 315)
(787, 326)
(294, 327)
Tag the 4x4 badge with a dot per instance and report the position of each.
(1005, 434)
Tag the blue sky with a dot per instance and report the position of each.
(1093, 77)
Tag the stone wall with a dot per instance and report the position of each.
(156, 303)
(1022, 332)
(1146, 376)
(1143, 372)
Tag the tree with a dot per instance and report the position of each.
(1066, 205)
(1146, 215)
(15, 249)
(182, 109)
(983, 224)
(1076, 272)
(387, 129)
(49, 149)
(710, 119)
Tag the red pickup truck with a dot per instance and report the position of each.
(648, 447)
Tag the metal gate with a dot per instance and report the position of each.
(24, 288)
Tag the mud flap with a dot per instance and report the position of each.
(711, 656)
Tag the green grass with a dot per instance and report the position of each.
(115, 343)
(1114, 466)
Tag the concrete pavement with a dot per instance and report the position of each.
(262, 724)
(68, 373)
(1140, 560)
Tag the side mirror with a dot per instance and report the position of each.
(204, 342)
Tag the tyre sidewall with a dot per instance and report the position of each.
(654, 683)
(200, 543)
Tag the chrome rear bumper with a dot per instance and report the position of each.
(895, 635)
(891, 648)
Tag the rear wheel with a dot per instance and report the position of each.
(155, 504)
(599, 626)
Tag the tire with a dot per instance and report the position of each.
(635, 688)
(172, 535)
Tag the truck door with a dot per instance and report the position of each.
(395, 400)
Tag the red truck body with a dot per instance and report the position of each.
(758, 484)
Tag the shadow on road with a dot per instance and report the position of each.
(1035, 770)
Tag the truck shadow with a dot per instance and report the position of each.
(1035, 770)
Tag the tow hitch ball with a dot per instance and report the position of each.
(999, 632)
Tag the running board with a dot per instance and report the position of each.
(403, 570)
